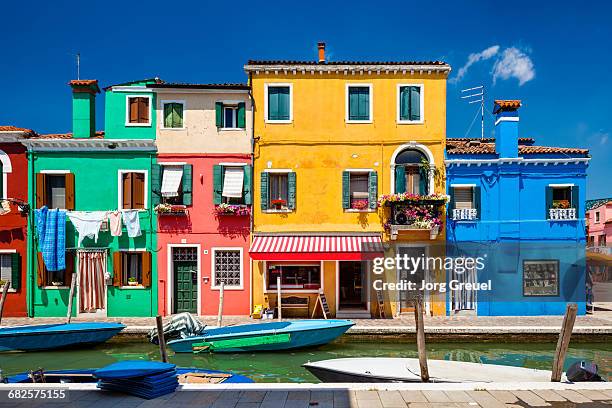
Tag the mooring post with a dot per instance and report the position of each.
(161, 338)
(278, 298)
(563, 341)
(70, 296)
(420, 338)
(5, 288)
(220, 314)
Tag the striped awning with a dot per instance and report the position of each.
(315, 248)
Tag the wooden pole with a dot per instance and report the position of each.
(5, 288)
(161, 338)
(70, 297)
(563, 341)
(278, 298)
(220, 314)
(420, 338)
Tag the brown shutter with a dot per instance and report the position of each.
(133, 110)
(143, 110)
(126, 190)
(146, 269)
(69, 191)
(117, 269)
(69, 269)
(41, 191)
(138, 191)
(41, 271)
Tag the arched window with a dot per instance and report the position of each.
(410, 174)
(5, 168)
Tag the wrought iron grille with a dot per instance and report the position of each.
(227, 267)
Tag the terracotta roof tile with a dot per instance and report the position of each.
(294, 62)
(99, 135)
(522, 140)
(200, 86)
(500, 104)
(27, 132)
(84, 82)
(487, 146)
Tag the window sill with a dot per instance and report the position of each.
(55, 287)
(354, 210)
(358, 121)
(227, 288)
(562, 219)
(138, 124)
(135, 287)
(410, 122)
(271, 121)
(165, 128)
(278, 211)
(11, 290)
(231, 129)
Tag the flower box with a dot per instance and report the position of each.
(171, 210)
(278, 204)
(360, 205)
(232, 210)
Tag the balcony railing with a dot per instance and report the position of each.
(465, 214)
(411, 212)
(562, 213)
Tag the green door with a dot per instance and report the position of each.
(185, 285)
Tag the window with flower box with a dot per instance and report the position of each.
(359, 190)
(278, 190)
(465, 202)
(232, 184)
(562, 202)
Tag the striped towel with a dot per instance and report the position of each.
(51, 229)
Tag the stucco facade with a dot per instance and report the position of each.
(599, 221)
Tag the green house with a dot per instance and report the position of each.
(103, 172)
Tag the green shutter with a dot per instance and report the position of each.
(219, 114)
(423, 181)
(217, 183)
(240, 115)
(346, 189)
(359, 103)
(476, 201)
(273, 113)
(549, 200)
(265, 184)
(156, 180)
(15, 271)
(246, 185)
(400, 179)
(451, 203)
(283, 103)
(364, 104)
(372, 189)
(353, 104)
(576, 200)
(168, 115)
(291, 190)
(1, 182)
(279, 103)
(404, 103)
(415, 103)
(187, 184)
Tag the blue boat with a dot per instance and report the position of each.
(53, 336)
(287, 335)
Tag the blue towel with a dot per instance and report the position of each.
(51, 229)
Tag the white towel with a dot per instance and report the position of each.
(232, 184)
(131, 219)
(87, 223)
(171, 180)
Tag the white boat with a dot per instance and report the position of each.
(382, 369)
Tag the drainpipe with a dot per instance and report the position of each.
(153, 244)
(251, 220)
(30, 241)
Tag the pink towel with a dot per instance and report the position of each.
(115, 223)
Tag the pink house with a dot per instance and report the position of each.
(202, 181)
(599, 222)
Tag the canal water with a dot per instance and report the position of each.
(286, 366)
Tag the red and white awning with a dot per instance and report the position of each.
(315, 248)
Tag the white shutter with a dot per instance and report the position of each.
(171, 180)
(463, 197)
(232, 183)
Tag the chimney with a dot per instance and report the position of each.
(321, 46)
(84, 107)
(506, 127)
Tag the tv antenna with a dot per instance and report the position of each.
(78, 64)
(476, 97)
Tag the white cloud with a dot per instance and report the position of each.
(513, 63)
(474, 58)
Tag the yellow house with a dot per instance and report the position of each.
(330, 139)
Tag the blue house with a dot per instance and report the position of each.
(519, 209)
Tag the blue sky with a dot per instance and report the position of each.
(555, 58)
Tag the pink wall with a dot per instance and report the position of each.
(603, 227)
(203, 228)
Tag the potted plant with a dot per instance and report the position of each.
(2, 282)
(278, 204)
(57, 283)
(231, 209)
(359, 204)
(561, 204)
(132, 281)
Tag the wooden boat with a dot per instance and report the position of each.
(53, 336)
(382, 369)
(272, 336)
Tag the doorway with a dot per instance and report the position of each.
(463, 301)
(418, 275)
(352, 286)
(185, 279)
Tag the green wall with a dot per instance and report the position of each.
(115, 114)
(96, 188)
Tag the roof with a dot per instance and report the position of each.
(182, 85)
(99, 135)
(501, 104)
(522, 140)
(598, 202)
(155, 80)
(16, 129)
(92, 84)
(487, 146)
(332, 63)
(336, 66)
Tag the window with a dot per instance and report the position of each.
(602, 240)
(227, 268)
(359, 189)
(359, 104)
(232, 184)
(410, 100)
(230, 115)
(55, 190)
(278, 103)
(465, 202)
(561, 202)
(138, 110)
(10, 264)
(278, 190)
(562, 197)
(132, 190)
(61, 278)
(301, 276)
(410, 173)
(131, 268)
(173, 115)
(597, 217)
(541, 278)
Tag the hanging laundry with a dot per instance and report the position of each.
(87, 223)
(51, 229)
(5, 207)
(114, 218)
(131, 219)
